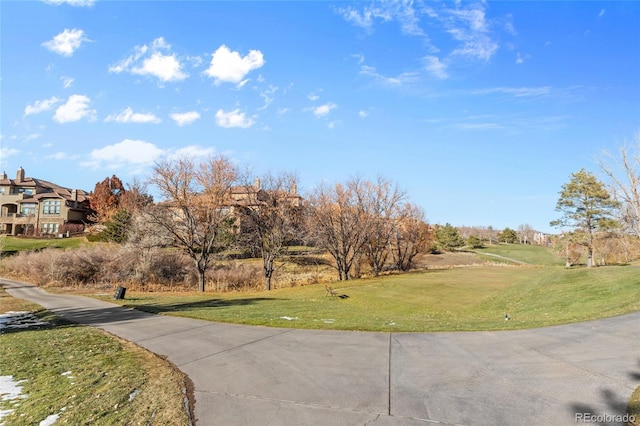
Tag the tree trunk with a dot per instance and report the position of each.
(268, 273)
(201, 280)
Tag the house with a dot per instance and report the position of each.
(30, 206)
(239, 198)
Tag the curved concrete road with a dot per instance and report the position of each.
(266, 376)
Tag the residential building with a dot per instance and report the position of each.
(30, 206)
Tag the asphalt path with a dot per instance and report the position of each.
(243, 375)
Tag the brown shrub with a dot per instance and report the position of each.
(235, 276)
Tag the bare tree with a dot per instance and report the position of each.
(268, 212)
(525, 233)
(195, 210)
(565, 245)
(380, 202)
(135, 198)
(624, 175)
(411, 235)
(338, 222)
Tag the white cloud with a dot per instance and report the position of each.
(79, 3)
(8, 152)
(128, 116)
(165, 67)
(400, 80)
(401, 11)
(129, 152)
(66, 82)
(76, 108)
(61, 156)
(191, 151)
(233, 119)
(470, 27)
(363, 114)
(66, 42)
(313, 97)
(520, 59)
(149, 60)
(602, 12)
(324, 110)
(518, 92)
(40, 106)
(184, 118)
(435, 67)
(334, 124)
(268, 96)
(229, 67)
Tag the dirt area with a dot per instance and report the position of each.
(447, 260)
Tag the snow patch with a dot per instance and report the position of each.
(10, 390)
(50, 420)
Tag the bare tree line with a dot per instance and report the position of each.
(209, 206)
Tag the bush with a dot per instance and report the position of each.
(474, 242)
(235, 276)
(102, 266)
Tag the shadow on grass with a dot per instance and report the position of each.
(187, 306)
(35, 321)
(97, 317)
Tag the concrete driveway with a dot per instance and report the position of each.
(267, 376)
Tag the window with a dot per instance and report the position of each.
(51, 207)
(49, 228)
(28, 209)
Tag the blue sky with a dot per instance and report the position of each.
(480, 110)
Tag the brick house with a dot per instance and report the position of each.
(30, 206)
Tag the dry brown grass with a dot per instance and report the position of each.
(105, 267)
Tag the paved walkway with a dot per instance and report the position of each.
(267, 376)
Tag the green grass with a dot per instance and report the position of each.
(101, 374)
(529, 254)
(13, 244)
(469, 298)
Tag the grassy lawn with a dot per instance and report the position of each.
(530, 254)
(468, 298)
(13, 244)
(85, 375)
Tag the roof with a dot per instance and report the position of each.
(51, 190)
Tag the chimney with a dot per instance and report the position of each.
(74, 195)
(294, 189)
(257, 184)
(4, 175)
(20, 175)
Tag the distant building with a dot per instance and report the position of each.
(541, 239)
(30, 206)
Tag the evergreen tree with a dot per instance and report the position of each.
(508, 236)
(449, 238)
(116, 230)
(586, 206)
